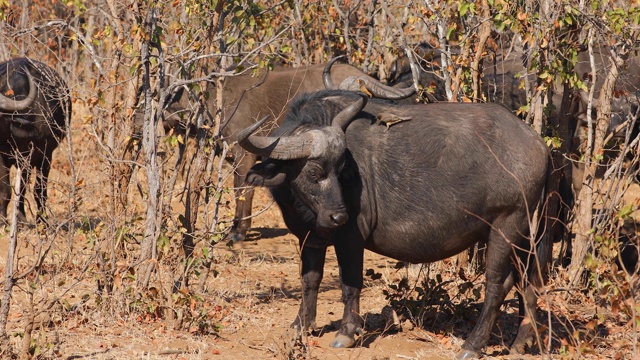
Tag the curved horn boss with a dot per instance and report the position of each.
(280, 148)
(9, 104)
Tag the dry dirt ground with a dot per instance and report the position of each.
(256, 294)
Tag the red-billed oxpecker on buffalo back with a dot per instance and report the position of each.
(35, 106)
(421, 191)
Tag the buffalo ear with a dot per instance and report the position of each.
(265, 174)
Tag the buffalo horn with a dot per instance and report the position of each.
(326, 73)
(376, 88)
(344, 118)
(279, 148)
(8, 104)
(381, 90)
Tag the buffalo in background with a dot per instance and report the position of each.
(35, 108)
(501, 75)
(430, 78)
(625, 104)
(424, 190)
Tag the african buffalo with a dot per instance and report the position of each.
(35, 106)
(625, 103)
(625, 106)
(422, 191)
(246, 98)
(430, 76)
(627, 88)
(501, 76)
(427, 56)
(502, 79)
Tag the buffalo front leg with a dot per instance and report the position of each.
(25, 174)
(350, 260)
(40, 188)
(312, 272)
(244, 195)
(5, 189)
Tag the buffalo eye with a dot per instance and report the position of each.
(314, 174)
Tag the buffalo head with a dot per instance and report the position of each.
(309, 159)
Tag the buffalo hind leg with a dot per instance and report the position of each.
(499, 281)
(244, 195)
(529, 265)
(350, 260)
(524, 339)
(527, 307)
(312, 271)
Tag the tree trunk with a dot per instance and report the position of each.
(584, 223)
(148, 251)
(483, 36)
(9, 279)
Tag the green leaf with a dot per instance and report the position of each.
(463, 8)
(450, 32)
(626, 211)
(568, 19)
(553, 142)
(590, 262)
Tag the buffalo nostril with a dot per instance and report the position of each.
(339, 218)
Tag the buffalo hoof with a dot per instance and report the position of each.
(299, 328)
(524, 339)
(518, 349)
(236, 237)
(467, 354)
(342, 341)
(520, 346)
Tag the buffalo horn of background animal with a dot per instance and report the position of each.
(280, 148)
(8, 104)
(343, 119)
(354, 83)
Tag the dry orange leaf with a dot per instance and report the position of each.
(314, 343)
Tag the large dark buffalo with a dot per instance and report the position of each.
(34, 107)
(246, 98)
(424, 190)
